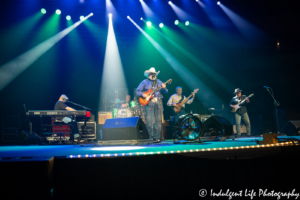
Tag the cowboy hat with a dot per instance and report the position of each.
(237, 90)
(151, 71)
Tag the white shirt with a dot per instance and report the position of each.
(176, 98)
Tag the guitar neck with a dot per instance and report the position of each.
(184, 101)
(156, 89)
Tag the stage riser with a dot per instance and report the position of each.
(26, 178)
(171, 176)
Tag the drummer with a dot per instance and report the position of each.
(118, 104)
(126, 105)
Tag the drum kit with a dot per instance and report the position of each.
(133, 109)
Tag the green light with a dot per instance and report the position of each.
(68, 17)
(58, 12)
(43, 10)
(161, 25)
(148, 23)
(81, 18)
(187, 23)
(176, 22)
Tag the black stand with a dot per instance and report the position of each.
(85, 119)
(276, 103)
(29, 125)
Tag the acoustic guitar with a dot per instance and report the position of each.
(144, 101)
(178, 106)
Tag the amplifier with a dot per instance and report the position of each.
(270, 138)
(9, 134)
(11, 121)
(10, 131)
(90, 130)
(102, 116)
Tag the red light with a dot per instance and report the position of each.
(88, 113)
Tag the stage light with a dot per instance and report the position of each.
(110, 15)
(161, 25)
(148, 23)
(218, 2)
(196, 0)
(170, 2)
(176, 22)
(58, 12)
(141, 18)
(141, 0)
(81, 18)
(92, 14)
(43, 10)
(128, 17)
(187, 23)
(68, 17)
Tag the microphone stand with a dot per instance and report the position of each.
(85, 119)
(276, 103)
(29, 124)
(85, 108)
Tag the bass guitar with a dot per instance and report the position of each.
(178, 106)
(145, 100)
(237, 106)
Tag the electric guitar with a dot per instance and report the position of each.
(237, 106)
(178, 106)
(144, 101)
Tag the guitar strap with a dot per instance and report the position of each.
(181, 98)
(153, 84)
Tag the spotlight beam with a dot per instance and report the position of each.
(227, 85)
(181, 14)
(207, 95)
(10, 70)
(248, 30)
(113, 74)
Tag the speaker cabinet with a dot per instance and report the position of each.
(216, 125)
(130, 130)
(292, 128)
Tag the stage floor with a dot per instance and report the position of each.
(94, 150)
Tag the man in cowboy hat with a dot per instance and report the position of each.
(154, 107)
(241, 112)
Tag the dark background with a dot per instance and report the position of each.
(74, 66)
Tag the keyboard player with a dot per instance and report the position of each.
(60, 105)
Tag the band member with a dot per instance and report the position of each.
(118, 104)
(241, 112)
(126, 105)
(60, 105)
(154, 107)
(176, 98)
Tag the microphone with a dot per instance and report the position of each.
(267, 87)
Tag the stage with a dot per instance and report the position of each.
(165, 147)
(164, 170)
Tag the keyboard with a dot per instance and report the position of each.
(54, 113)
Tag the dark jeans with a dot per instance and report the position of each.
(246, 120)
(153, 119)
(176, 116)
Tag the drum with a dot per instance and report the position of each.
(189, 127)
(124, 112)
(132, 104)
(114, 113)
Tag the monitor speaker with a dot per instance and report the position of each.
(216, 125)
(125, 130)
(292, 128)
